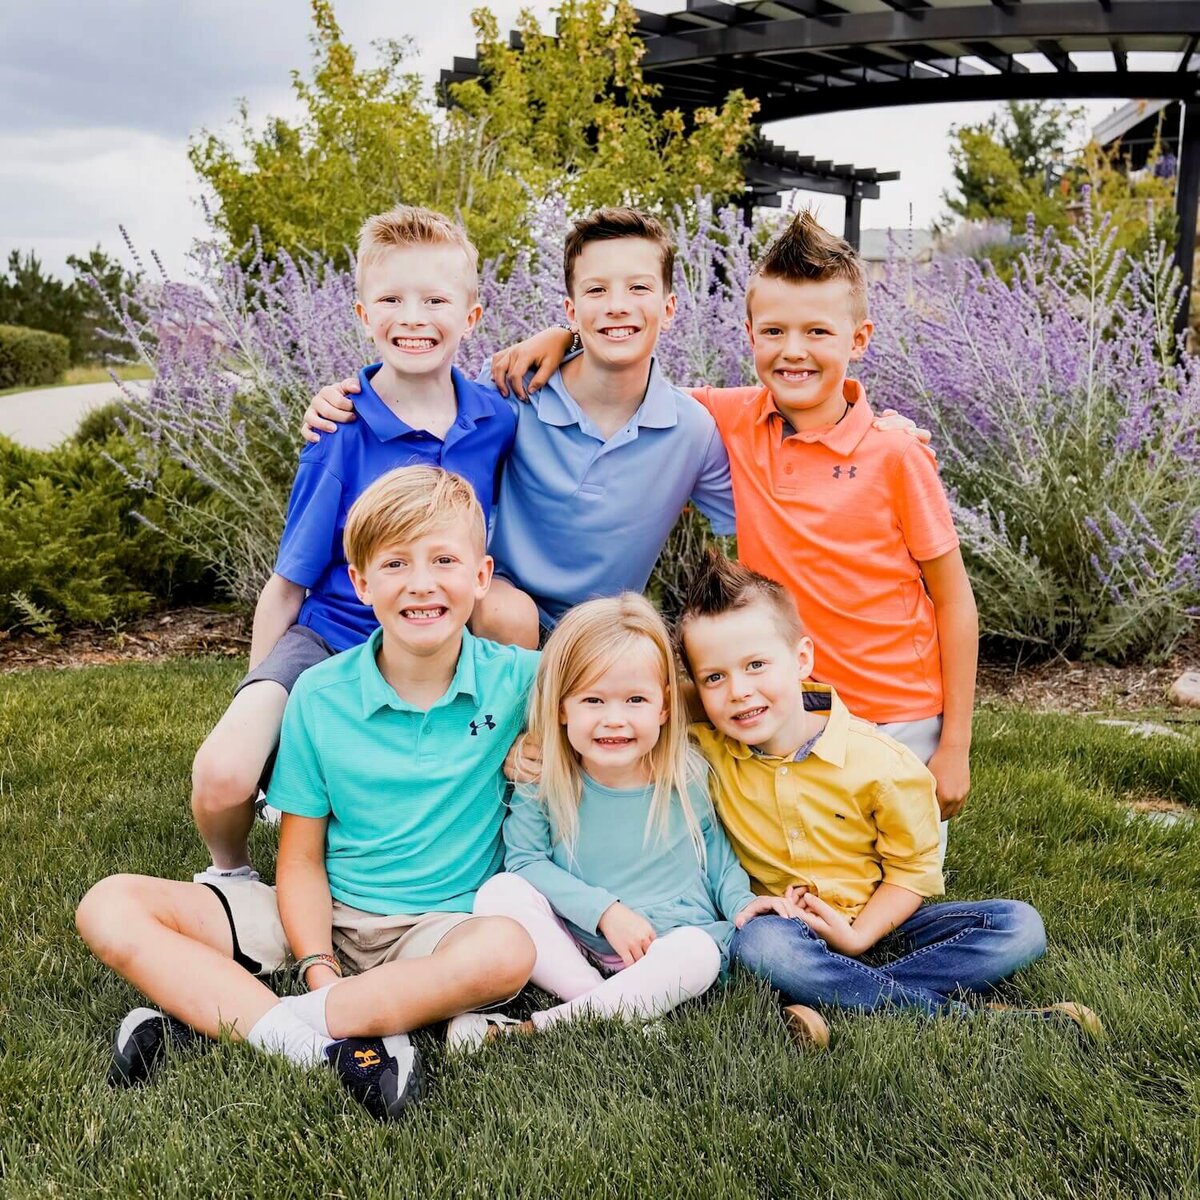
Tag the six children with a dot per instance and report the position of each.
(624, 889)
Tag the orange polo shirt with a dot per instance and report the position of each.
(841, 516)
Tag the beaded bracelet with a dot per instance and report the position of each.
(311, 960)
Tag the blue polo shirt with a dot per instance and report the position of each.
(580, 516)
(335, 471)
(414, 798)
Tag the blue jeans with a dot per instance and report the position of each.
(941, 949)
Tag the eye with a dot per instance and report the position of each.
(637, 700)
(771, 331)
(445, 560)
(393, 564)
(756, 664)
(594, 291)
(437, 300)
(712, 678)
(819, 332)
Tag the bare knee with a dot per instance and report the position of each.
(507, 615)
(503, 956)
(103, 917)
(220, 782)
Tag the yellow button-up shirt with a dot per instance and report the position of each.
(857, 811)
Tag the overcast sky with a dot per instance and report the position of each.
(98, 100)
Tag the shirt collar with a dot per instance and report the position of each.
(842, 438)
(830, 745)
(385, 425)
(659, 408)
(377, 693)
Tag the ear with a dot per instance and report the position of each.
(861, 339)
(473, 316)
(483, 578)
(360, 311)
(750, 332)
(359, 580)
(669, 306)
(804, 656)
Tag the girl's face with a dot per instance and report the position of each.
(614, 722)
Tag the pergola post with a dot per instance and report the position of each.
(1187, 199)
(853, 226)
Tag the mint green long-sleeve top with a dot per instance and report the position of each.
(614, 859)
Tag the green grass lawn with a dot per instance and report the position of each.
(88, 374)
(93, 779)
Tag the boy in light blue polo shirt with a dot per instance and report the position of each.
(607, 453)
(390, 784)
(417, 289)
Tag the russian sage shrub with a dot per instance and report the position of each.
(1067, 430)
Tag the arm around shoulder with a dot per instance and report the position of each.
(275, 613)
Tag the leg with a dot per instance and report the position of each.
(227, 769)
(804, 970)
(172, 941)
(477, 964)
(506, 614)
(679, 966)
(561, 968)
(965, 946)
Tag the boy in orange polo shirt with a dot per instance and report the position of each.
(851, 518)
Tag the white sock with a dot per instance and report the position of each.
(310, 1008)
(215, 874)
(280, 1031)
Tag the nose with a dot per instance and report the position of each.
(420, 580)
(739, 687)
(794, 346)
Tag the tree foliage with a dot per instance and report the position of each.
(570, 112)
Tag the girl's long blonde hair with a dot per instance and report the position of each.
(590, 639)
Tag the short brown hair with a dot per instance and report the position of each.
(408, 503)
(721, 585)
(606, 224)
(406, 225)
(807, 252)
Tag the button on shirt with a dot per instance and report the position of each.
(842, 516)
(856, 811)
(581, 516)
(335, 471)
(414, 798)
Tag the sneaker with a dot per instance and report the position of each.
(468, 1032)
(141, 1045)
(807, 1026)
(214, 874)
(385, 1075)
(267, 813)
(1083, 1018)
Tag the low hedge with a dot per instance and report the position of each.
(31, 357)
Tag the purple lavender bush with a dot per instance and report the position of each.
(1068, 432)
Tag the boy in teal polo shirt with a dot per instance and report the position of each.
(417, 298)
(389, 779)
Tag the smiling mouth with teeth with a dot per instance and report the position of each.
(750, 713)
(414, 343)
(613, 741)
(423, 614)
(619, 332)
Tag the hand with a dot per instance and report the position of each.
(950, 767)
(523, 762)
(780, 905)
(891, 419)
(795, 892)
(318, 975)
(628, 932)
(331, 404)
(829, 925)
(544, 350)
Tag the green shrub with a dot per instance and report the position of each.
(72, 549)
(31, 357)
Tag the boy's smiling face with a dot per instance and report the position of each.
(748, 675)
(804, 336)
(424, 589)
(618, 301)
(417, 304)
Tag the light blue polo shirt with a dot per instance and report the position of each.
(415, 798)
(580, 516)
(335, 471)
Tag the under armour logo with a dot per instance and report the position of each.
(487, 723)
(850, 473)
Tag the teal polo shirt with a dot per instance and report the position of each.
(414, 798)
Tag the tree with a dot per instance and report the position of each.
(570, 112)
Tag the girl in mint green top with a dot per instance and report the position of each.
(615, 863)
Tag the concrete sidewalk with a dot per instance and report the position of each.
(42, 418)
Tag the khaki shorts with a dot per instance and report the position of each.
(361, 940)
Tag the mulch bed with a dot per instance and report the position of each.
(1054, 686)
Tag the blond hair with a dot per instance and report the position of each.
(590, 639)
(805, 252)
(409, 503)
(406, 225)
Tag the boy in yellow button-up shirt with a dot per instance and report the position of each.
(823, 808)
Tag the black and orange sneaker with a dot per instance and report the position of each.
(385, 1075)
(141, 1044)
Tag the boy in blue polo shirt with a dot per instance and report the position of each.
(389, 780)
(607, 453)
(417, 298)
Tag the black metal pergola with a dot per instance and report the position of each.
(802, 57)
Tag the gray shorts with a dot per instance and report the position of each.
(298, 649)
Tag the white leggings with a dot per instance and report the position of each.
(679, 965)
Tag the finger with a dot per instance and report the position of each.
(541, 377)
(309, 434)
(923, 435)
(500, 374)
(350, 386)
(516, 381)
